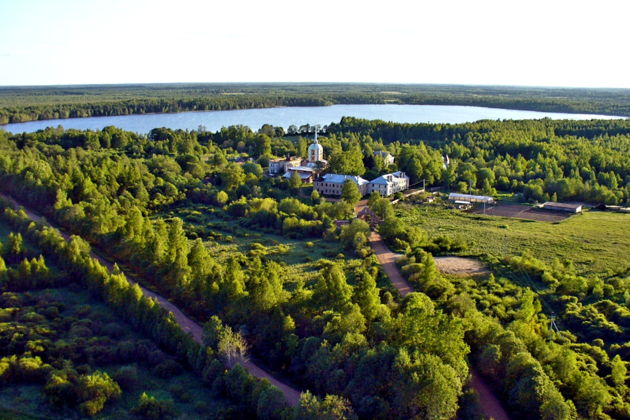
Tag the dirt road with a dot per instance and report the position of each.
(387, 259)
(488, 402)
(191, 327)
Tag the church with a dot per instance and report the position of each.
(307, 169)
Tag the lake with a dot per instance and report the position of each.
(286, 116)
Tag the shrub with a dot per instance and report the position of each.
(95, 390)
(150, 408)
(167, 369)
(126, 377)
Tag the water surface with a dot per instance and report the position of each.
(286, 116)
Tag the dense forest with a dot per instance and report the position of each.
(341, 331)
(20, 104)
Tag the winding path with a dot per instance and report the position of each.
(490, 405)
(195, 330)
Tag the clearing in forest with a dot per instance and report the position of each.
(460, 266)
(593, 240)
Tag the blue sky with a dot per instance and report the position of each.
(541, 43)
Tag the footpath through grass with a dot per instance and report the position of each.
(598, 243)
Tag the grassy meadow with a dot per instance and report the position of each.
(598, 243)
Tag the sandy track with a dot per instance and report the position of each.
(195, 330)
(460, 266)
(489, 404)
(387, 259)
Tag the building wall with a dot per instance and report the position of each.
(280, 167)
(335, 188)
(392, 187)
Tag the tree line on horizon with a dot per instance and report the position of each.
(21, 104)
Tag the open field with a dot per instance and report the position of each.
(521, 211)
(596, 242)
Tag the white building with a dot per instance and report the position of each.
(388, 159)
(389, 184)
(332, 184)
(280, 166)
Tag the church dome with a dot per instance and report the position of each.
(316, 147)
(315, 151)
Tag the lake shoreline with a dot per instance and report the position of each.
(285, 116)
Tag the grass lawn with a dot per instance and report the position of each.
(598, 243)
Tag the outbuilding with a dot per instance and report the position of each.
(470, 198)
(569, 208)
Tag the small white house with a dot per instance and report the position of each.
(386, 156)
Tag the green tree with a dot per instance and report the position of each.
(348, 162)
(221, 198)
(618, 371)
(355, 237)
(262, 145)
(3, 270)
(15, 247)
(350, 192)
(95, 390)
(234, 280)
(332, 289)
(265, 286)
(382, 207)
(302, 146)
(295, 182)
(151, 408)
(333, 407)
(366, 294)
(231, 347)
(232, 176)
